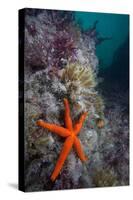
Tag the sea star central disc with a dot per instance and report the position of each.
(70, 133)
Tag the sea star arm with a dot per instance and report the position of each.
(79, 150)
(79, 125)
(54, 128)
(68, 121)
(63, 155)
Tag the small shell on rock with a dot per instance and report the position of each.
(100, 123)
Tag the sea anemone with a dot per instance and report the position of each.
(80, 82)
(78, 75)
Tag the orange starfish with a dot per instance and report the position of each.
(70, 133)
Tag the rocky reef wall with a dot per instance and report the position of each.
(60, 62)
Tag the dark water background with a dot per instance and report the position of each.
(115, 26)
(113, 54)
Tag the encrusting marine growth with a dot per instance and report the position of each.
(70, 133)
(60, 61)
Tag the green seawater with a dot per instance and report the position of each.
(115, 26)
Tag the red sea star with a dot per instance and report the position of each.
(70, 133)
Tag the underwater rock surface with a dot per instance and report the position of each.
(60, 62)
